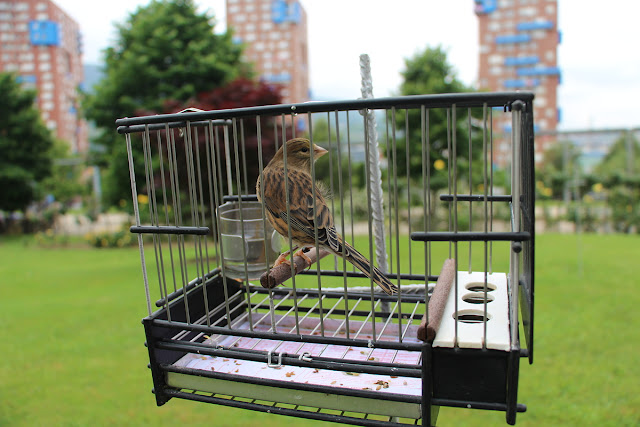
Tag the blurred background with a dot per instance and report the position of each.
(70, 272)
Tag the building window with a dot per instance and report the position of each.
(26, 56)
(527, 11)
(495, 59)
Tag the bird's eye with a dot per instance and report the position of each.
(304, 149)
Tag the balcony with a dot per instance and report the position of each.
(535, 25)
(521, 60)
(513, 38)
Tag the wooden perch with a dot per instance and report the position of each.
(277, 275)
(429, 327)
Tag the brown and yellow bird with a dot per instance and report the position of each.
(303, 220)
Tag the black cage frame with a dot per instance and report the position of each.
(454, 377)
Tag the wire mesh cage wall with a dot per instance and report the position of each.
(413, 186)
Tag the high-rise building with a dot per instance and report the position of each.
(42, 45)
(275, 37)
(519, 51)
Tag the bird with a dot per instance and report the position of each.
(301, 217)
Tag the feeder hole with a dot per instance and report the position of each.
(477, 298)
(471, 316)
(479, 287)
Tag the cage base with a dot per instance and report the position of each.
(189, 367)
(279, 391)
(309, 412)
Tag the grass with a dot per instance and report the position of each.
(73, 354)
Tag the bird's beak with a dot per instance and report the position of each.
(318, 152)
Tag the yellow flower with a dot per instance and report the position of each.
(143, 199)
(547, 192)
(439, 164)
(597, 187)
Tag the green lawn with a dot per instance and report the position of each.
(73, 354)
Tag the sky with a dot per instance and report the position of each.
(598, 56)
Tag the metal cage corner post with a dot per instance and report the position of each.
(328, 345)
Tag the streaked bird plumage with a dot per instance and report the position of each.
(303, 218)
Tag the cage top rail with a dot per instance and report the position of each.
(464, 100)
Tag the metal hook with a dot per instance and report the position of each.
(306, 356)
(272, 365)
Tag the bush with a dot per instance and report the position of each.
(118, 239)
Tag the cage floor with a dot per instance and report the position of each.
(394, 386)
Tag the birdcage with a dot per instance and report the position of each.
(436, 190)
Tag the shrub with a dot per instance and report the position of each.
(114, 239)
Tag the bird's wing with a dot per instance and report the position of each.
(301, 207)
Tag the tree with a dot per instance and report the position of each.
(65, 184)
(429, 72)
(558, 170)
(166, 50)
(25, 144)
(619, 172)
(623, 158)
(242, 92)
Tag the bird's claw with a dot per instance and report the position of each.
(282, 259)
(304, 256)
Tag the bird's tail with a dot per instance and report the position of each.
(363, 264)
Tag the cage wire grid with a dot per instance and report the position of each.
(210, 307)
